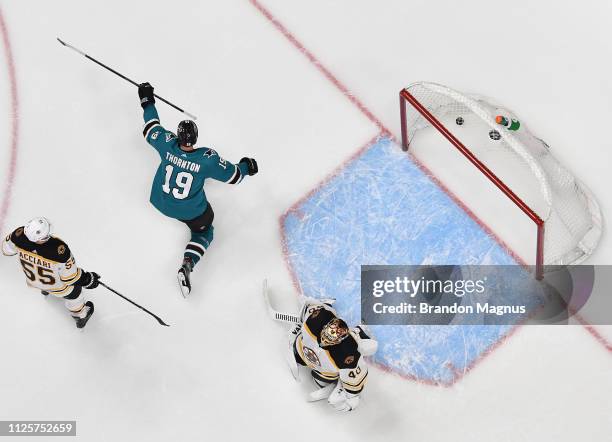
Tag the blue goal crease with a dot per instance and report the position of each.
(381, 208)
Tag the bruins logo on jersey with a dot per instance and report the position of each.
(19, 231)
(61, 249)
(349, 360)
(311, 356)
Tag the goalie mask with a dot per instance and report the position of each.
(334, 332)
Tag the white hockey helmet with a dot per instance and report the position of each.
(38, 229)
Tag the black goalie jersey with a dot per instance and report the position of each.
(331, 355)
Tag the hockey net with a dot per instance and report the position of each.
(565, 214)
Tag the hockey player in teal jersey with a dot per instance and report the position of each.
(178, 186)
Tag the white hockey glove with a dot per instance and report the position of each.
(8, 248)
(308, 302)
(340, 400)
(366, 344)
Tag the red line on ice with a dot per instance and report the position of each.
(384, 131)
(10, 63)
(315, 61)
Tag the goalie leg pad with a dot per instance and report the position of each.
(325, 383)
(320, 393)
(341, 400)
(294, 360)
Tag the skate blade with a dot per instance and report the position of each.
(185, 291)
(90, 314)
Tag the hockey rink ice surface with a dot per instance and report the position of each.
(309, 89)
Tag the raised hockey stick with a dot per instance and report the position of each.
(193, 117)
(276, 315)
(161, 322)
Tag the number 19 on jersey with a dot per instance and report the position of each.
(181, 186)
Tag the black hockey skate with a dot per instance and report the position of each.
(82, 322)
(184, 277)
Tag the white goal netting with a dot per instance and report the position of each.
(522, 161)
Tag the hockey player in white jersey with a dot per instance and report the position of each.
(325, 344)
(50, 267)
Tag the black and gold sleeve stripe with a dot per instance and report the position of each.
(71, 279)
(355, 388)
(61, 293)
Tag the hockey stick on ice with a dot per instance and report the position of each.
(161, 322)
(193, 117)
(276, 315)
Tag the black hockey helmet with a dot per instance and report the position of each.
(187, 133)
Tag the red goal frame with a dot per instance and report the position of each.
(407, 98)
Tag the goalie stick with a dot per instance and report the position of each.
(313, 396)
(367, 347)
(288, 318)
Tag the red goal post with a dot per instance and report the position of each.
(423, 104)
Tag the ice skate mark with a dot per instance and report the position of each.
(113, 317)
(459, 374)
(409, 377)
(14, 135)
(295, 208)
(386, 132)
(447, 377)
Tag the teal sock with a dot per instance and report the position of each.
(199, 243)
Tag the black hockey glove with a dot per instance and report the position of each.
(251, 165)
(94, 281)
(145, 92)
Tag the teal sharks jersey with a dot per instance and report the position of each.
(178, 186)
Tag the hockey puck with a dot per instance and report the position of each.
(494, 135)
(459, 121)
